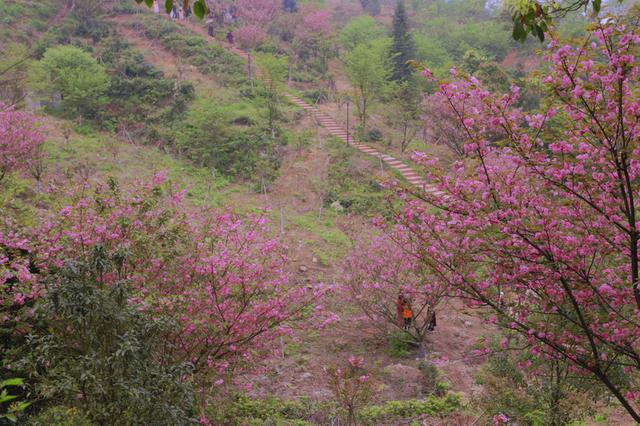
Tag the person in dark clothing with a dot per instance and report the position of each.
(432, 322)
(210, 29)
(230, 37)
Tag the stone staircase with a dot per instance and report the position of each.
(328, 122)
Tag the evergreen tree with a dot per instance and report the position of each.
(403, 48)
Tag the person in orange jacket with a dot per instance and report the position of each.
(407, 315)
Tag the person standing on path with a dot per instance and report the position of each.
(432, 322)
(210, 29)
(407, 315)
(230, 37)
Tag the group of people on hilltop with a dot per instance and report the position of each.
(230, 16)
(405, 314)
(177, 12)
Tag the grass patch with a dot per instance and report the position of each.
(333, 244)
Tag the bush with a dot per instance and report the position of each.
(431, 383)
(101, 352)
(393, 411)
(243, 410)
(59, 416)
(228, 138)
(76, 76)
(399, 344)
(356, 191)
(374, 135)
(316, 96)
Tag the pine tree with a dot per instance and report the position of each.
(403, 48)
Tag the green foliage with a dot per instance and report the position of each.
(199, 7)
(88, 14)
(14, 407)
(227, 137)
(59, 416)
(362, 30)
(368, 71)
(141, 100)
(374, 135)
(77, 76)
(431, 383)
(243, 410)
(551, 397)
(275, 70)
(13, 70)
(535, 17)
(460, 25)
(403, 48)
(433, 54)
(392, 411)
(399, 344)
(354, 188)
(97, 349)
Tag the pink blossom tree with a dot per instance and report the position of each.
(250, 36)
(19, 139)
(317, 22)
(352, 388)
(541, 226)
(313, 38)
(220, 277)
(258, 12)
(382, 268)
(441, 124)
(256, 16)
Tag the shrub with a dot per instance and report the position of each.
(77, 76)
(399, 344)
(243, 410)
(431, 383)
(228, 138)
(374, 135)
(410, 409)
(98, 349)
(316, 96)
(59, 416)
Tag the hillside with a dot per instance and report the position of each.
(269, 217)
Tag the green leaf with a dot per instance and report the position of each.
(543, 26)
(168, 5)
(11, 382)
(149, 3)
(519, 32)
(199, 9)
(139, 1)
(7, 398)
(597, 6)
(20, 407)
